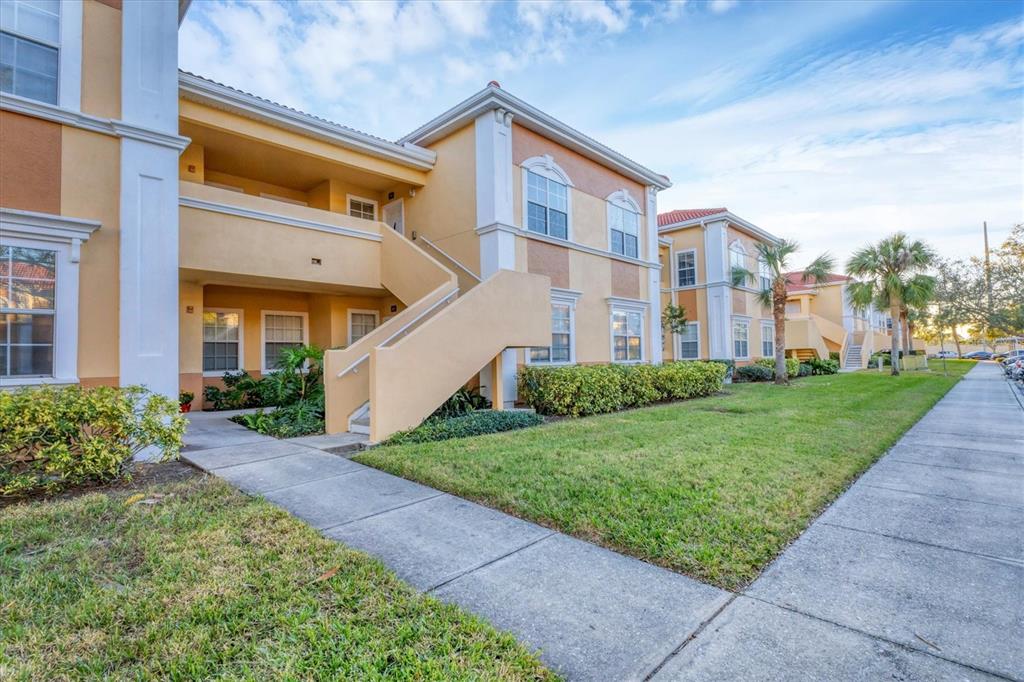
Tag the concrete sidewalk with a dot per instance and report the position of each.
(915, 573)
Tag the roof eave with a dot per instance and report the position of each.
(727, 216)
(196, 89)
(536, 120)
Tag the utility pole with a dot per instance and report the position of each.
(988, 285)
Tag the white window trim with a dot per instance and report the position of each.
(627, 305)
(732, 333)
(621, 198)
(348, 206)
(675, 269)
(770, 326)
(567, 297)
(69, 56)
(358, 311)
(263, 334)
(678, 342)
(65, 236)
(241, 342)
(545, 166)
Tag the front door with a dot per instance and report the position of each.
(394, 215)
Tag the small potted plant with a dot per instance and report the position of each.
(185, 400)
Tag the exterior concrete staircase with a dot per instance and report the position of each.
(853, 357)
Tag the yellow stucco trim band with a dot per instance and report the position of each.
(226, 209)
(104, 126)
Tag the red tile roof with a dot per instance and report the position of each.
(683, 214)
(795, 281)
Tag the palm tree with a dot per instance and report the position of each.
(774, 263)
(891, 275)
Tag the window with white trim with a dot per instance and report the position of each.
(28, 307)
(30, 48)
(765, 275)
(560, 350)
(627, 335)
(625, 227)
(547, 206)
(362, 208)
(361, 323)
(767, 340)
(222, 341)
(686, 268)
(741, 339)
(281, 331)
(689, 342)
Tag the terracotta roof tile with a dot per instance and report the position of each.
(795, 282)
(683, 214)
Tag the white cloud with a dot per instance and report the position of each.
(722, 6)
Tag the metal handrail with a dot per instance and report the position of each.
(449, 257)
(365, 356)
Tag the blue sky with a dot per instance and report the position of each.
(833, 123)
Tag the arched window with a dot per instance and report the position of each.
(623, 224)
(547, 204)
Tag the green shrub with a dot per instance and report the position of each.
(302, 418)
(823, 366)
(474, 423)
(833, 355)
(792, 366)
(805, 370)
(54, 438)
(730, 366)
(593, 389)
(463, 401)
(755, 372)
(296, 388)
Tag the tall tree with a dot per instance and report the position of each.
(774, 260)
(891, 273)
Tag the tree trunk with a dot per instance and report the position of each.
(956, 339)
(905, 331)
(897, 327)
(779, 313)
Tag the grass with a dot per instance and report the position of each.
(207, 583)
(714, 488)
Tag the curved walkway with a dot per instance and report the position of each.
(916, 572)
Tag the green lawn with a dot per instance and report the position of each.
(208, 583)
(714, 488)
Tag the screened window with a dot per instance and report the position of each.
(689, 342)
(362, 324)
(29, 40)
(741, 339)
(624, 226)
(560, 349)
(686, 268)
(768, 340)
(547, 206)
(222, 341)
(361, 208)
(627, 336)
(28, 279)
(281, 331)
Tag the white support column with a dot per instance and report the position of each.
(653, 276)
(494, 218)
(719, 290)
(149, 199)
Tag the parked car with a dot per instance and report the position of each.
(946, 354)
(978, 355)
(1018, 353)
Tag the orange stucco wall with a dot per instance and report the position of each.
(30, 163)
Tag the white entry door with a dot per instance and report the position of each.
(394, 215)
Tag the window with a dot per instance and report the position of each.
(281, 331)
(29, 43)
(689, 342)
(765, 275)
(28, 283)
(792, 307)
(362, 208)
(686, 268)
(624, 225)
(547, 206)
(767, 340)
(222, 341)
(740, 339)
(737, 257)
(560, 350)
(627, 336)
(361, 323)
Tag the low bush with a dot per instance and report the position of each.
(54, 438)
(730, 366)
(805, 370)
(792, 366)
(580, 390)
(823, 366)
(463, 401)
(833, 355)
(755, 373)
(289, 421)
(475, 423)
(297, 389)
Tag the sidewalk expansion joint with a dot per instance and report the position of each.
(383, 511)
(980, 555)
(448, 581)
(944, 497)
(692, 636)
(950, 466)
(314, 480)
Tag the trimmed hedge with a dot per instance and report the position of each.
(755, 373)
(819, 366)
(474, 423)
(580, 390)
(792, 366)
